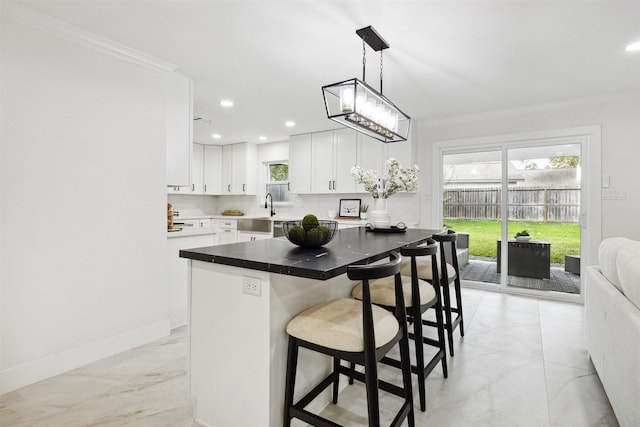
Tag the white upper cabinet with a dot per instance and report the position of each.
(345, 157)
(197, 183)
(239, 164)
(322, 162)
(300, 163)
(212, 176)
(206, 171)
(333, 154)
(227, 168)
(179, 129)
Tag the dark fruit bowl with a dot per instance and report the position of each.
(312, 238)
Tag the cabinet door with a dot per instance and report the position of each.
(178, 190)
(322, 162)
(252, 237)
(345, 157)
(227, 168)
(179, 129)
(197, 183)
(227, 235)
(244, 175)
(370, 155)
(212, 169)
(300, 163)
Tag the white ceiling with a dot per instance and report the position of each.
(447, 58)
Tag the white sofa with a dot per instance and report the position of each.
(612, 324)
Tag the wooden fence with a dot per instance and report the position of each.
(525, 204)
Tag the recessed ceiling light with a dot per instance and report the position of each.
(633, 47)
(227, 103)
(216, 136)
(289, 123)
(262, 138)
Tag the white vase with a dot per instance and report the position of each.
(380, 217)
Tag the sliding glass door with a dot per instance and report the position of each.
(520, 206)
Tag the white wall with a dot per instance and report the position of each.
(82, 142)
(619, 118)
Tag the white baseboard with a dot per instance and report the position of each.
(178, 318)
(55, 364)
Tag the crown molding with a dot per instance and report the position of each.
(26, 16)
(528, 109)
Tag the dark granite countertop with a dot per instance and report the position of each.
(278, 255)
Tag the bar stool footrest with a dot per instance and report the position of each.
(311, 418)
(315, 392)
(382, 385)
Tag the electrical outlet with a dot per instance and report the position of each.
(251, 286)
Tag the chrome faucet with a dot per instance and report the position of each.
(273, 212)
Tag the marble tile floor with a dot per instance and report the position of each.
(522, 362)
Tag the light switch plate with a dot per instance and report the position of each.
(614, 194)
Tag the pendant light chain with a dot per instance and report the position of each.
(364, 60)
(381, 72)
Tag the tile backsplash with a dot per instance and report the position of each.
(403, 207)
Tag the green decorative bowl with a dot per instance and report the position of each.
(312, 238)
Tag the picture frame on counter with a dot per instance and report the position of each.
(349, 208)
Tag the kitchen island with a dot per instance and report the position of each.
(241, 297)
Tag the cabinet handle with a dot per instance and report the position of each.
(205, 188)
(193, 187)
(243, 185)
(288, 186)
(334, 185)
(229, 188)
(329, 185)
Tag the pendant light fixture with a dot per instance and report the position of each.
(355, 104)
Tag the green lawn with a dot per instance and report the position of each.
(483, 233)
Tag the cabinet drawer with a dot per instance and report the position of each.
(228, 224)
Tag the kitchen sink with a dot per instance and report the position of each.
(258, 225)
(277, 229)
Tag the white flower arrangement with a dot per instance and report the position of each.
(395, 178)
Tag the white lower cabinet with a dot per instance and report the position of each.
(245, 236)
(206, 223)
(228, 231)
(228, 236)
(179, 274)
